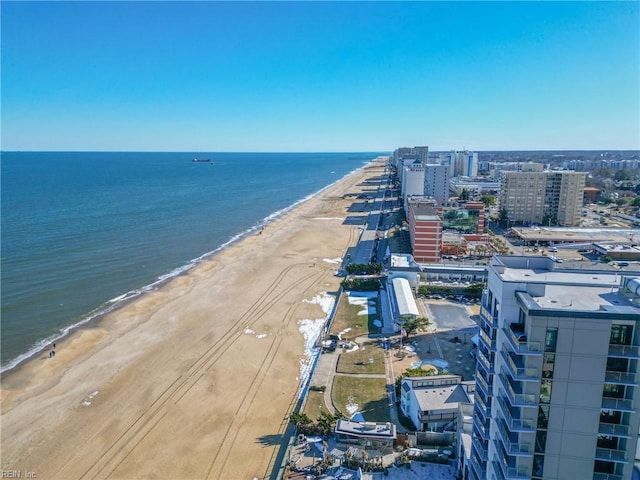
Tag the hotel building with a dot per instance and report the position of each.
(425, 229)
(557, 373)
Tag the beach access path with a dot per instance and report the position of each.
(194, 380)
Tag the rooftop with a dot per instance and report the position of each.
(565, 289)
(366, 429)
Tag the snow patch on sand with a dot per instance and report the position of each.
(325, 301)
(311, 330)
(248, 331)
(262, 335)
(333, 260)
(87, 400)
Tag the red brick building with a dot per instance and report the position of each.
(425, 228)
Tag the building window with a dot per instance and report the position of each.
(545, 391)
(551, 340)
(543, 416)
(621, 334)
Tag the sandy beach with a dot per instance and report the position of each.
(194, 380)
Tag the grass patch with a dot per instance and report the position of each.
(314, 404)
(347, 317)
(369, 358)
(370, 394)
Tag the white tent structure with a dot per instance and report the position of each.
(405, 302)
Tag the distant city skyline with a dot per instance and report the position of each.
(320, 76)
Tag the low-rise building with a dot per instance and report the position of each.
(369, 434)
(431, 402)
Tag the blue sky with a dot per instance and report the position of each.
(320, 76)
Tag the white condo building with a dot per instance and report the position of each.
(557, 374)
(461, 164)
(436, 182)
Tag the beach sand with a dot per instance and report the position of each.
(173, 385)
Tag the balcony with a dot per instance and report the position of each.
(482, 409)
(486, 389)
(477, 469)
(484, 361)
(481, 429)
(517, 371)
(611, 455)
(514, 449)
(614, 430)
(624, 351)
(485, 339)
(491, 320)
(521, 347)
(619, 404)
(481, 452)
(518, 399)
(510, 473)
(514, 424)
(621, 378)
(607, 476)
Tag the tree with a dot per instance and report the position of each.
(622, 175)
(489, 200)
(413, 325)
(636, 202)
(300, 420)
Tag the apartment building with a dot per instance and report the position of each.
(436, 182)
(557, 373)
(461, 164)
(544, 198)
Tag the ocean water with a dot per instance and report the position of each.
(83, 231)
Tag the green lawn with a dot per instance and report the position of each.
(369, 394)
(314, 405)
(347, 317)
(369, 358)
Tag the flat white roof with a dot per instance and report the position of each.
(404, 297)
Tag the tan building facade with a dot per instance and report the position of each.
(543, 198)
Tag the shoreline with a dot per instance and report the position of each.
(171, 385)
(89, 319)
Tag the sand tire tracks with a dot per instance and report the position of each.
(126, 443)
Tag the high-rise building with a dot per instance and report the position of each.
(461, 164)
(557, 373)
(412, 179)
(549, 197)
(436, 182)
(425, 229)
(422, 153)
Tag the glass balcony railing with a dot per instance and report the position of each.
(512, 446)
(614, 430)
(486, 340)
(513, 423)
(607, 476)
(510, 473)
(491, 320)
(518, 372)
(481, 452)
(480, 429)
(478, 468)
(484, 361)
(517, 399)
(487, 389)
(621, 378)
(481, 408)
(624, 351)
(620, 404)
(520, 345)
(509, 467)
(611, 455)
